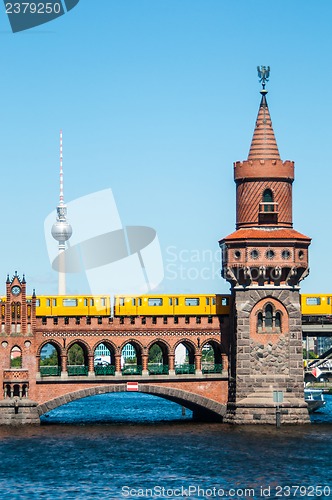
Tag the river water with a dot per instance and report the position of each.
(123, 445)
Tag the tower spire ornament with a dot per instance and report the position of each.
(61, 230)
(263, 75)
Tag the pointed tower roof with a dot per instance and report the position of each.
(263, 144)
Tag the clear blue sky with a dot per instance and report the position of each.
(156, 100)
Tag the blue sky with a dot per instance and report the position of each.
(156, 100)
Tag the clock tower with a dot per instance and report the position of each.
(264, 260)
(18, 313)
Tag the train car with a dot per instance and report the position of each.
(171, 305)
(71, 305)
(128, 305)
(316, 305)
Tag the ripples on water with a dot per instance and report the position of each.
(84, 461)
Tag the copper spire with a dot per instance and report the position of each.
(263, 144)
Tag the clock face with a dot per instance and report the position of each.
(16, 290)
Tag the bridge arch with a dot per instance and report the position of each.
(55, 343)
(108, 343)
(188, 343)
(84, 345)
(203, 408)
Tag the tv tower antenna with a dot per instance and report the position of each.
(61, 230)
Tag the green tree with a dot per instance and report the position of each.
(51, 360)
(76, 355)
(155, 354)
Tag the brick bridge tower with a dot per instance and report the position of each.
(264, 260)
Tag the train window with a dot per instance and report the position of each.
(224, 301)
(139, 302)
(170, 301)
(191, 302)
(121, 301)
(328, 301)
(69, 302)
(214, 301)
(103, 301)
(92, 302)
(48, 302)
(133, 302)
(313, 301)
(155, 302)
(53, 302)
(85, 302)
(37, 302)
(207, 301)
(176, 301)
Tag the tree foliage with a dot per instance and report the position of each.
(155, 354)
(76, 355)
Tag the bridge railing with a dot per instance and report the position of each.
(158, 369)
(211, 368)
(77, 370)
(184, 369)
(132, 370)
(105, 370)
(50, 371)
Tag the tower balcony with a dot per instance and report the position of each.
(268, 212)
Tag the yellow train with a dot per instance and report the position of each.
(129, 305)
(171, 305)
(159, 305)
(316, 304)
(70, 305)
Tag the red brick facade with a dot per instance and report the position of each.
(29, 392)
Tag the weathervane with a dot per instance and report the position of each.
(263, 74)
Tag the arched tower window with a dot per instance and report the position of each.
(267, 196)
(268, 320)
(259, 322)
(16, 357)
(278, 322)
(268, 209)
(268, 317)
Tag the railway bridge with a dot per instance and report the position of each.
(31, 389)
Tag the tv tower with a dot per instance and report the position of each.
(61, 231)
